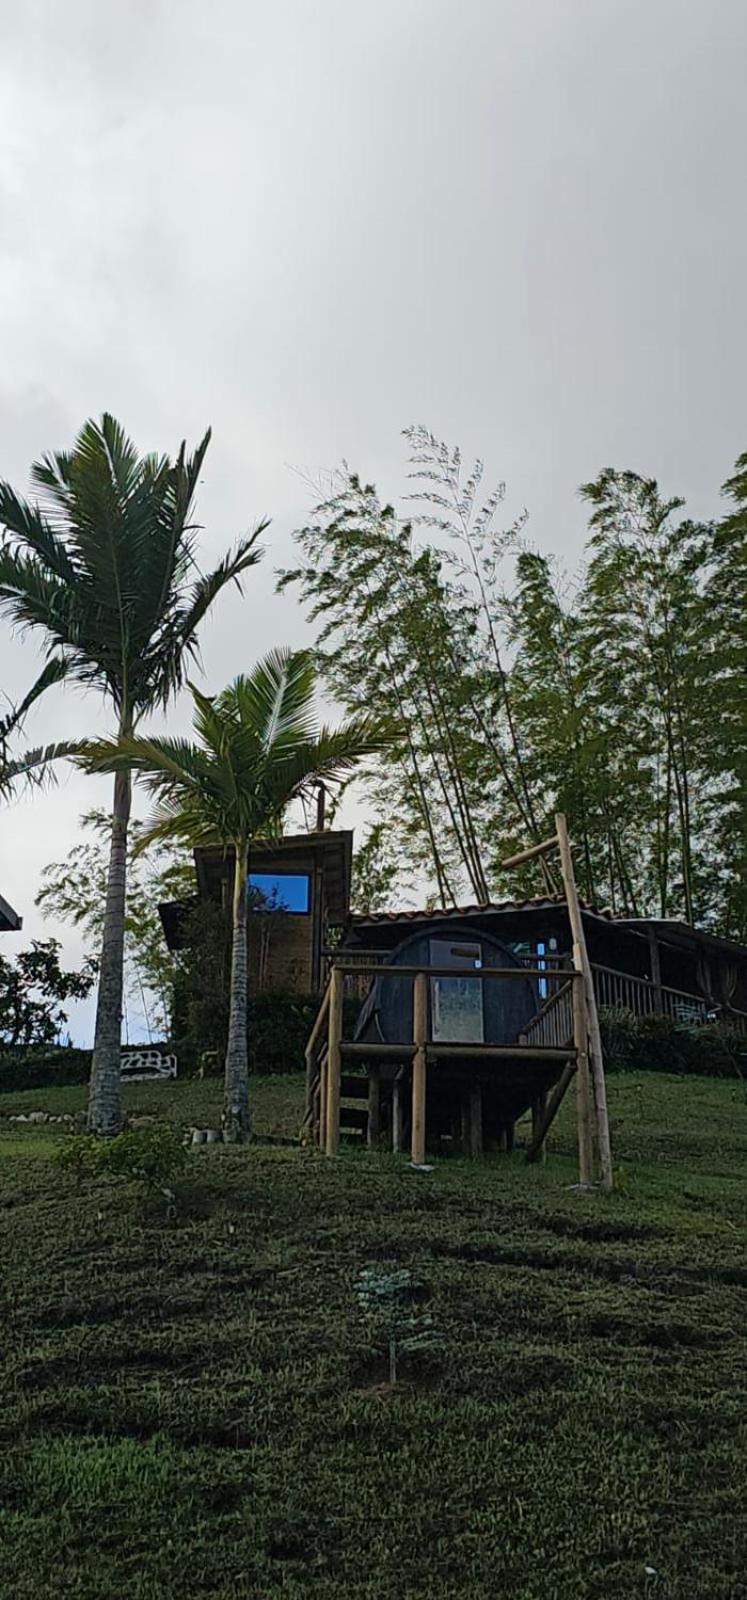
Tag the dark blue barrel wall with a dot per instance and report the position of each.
(508, 1003)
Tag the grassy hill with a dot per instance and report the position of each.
(192, 1409)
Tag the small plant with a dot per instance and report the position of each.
(153, 1157)
(386, 1302)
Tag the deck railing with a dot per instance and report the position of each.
(614, 991)
(553, 1024)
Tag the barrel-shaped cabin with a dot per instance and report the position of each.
(455, 1039)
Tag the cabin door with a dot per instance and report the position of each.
(456, 1003)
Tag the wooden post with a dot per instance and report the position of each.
(322, 1130)
(475, 1119)
(581, 962)
(544, 1123)
(398, 1114)
(584, 1103)
(419, 1034)
(334, 1062)
(655, 959)
(539, 1104)
(374, 1107)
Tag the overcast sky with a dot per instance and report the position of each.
(312, 222)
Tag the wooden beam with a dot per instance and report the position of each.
(420, 1031)
(373, 1128)
(334, 1063)
(531, 854)
(551, 1110)
(501, 1052)
(581, 961)
(398, 1114)
(475, 1120)
(375, 1050)
(370, 969)
(539, 1105)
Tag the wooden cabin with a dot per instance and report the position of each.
(486, 998)
(647, 964)
(299, 896)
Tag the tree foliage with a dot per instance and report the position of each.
(33, 990)
(615, 694)
(104, 564)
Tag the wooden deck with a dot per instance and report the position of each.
(429, 1094)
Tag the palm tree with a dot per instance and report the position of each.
(259, 748)
(104, 565)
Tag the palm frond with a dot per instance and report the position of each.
(36, 767)
(276, 698)
(50, 674)
(31, 530)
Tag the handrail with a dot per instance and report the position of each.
(372, 970)
(553, 1023)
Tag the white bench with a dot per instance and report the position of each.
(142, 1066)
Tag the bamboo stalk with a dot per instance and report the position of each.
(584, 1106)
(581, 956)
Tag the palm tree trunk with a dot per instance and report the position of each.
(104, 1095)
(236, 1122)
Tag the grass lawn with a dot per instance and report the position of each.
(191, 1409)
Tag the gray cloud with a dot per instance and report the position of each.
(312, 223)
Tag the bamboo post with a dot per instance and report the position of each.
(333, 1063)
(419, 1034)
(374, 1107)
(581, 961)
(584, 1103)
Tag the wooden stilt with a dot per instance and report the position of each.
(419, 1033)
(581, 960)
(475, 1120)
(373, 1130)
(539, 1105)
(551, 1110)
(465, 1125)
(398, 1114)
(333, 1063)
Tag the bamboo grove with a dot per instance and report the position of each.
(614, 694)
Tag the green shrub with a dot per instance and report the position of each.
(659, 1044)
(43, 1068)
(152, 1157)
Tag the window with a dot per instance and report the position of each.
(279, 891)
